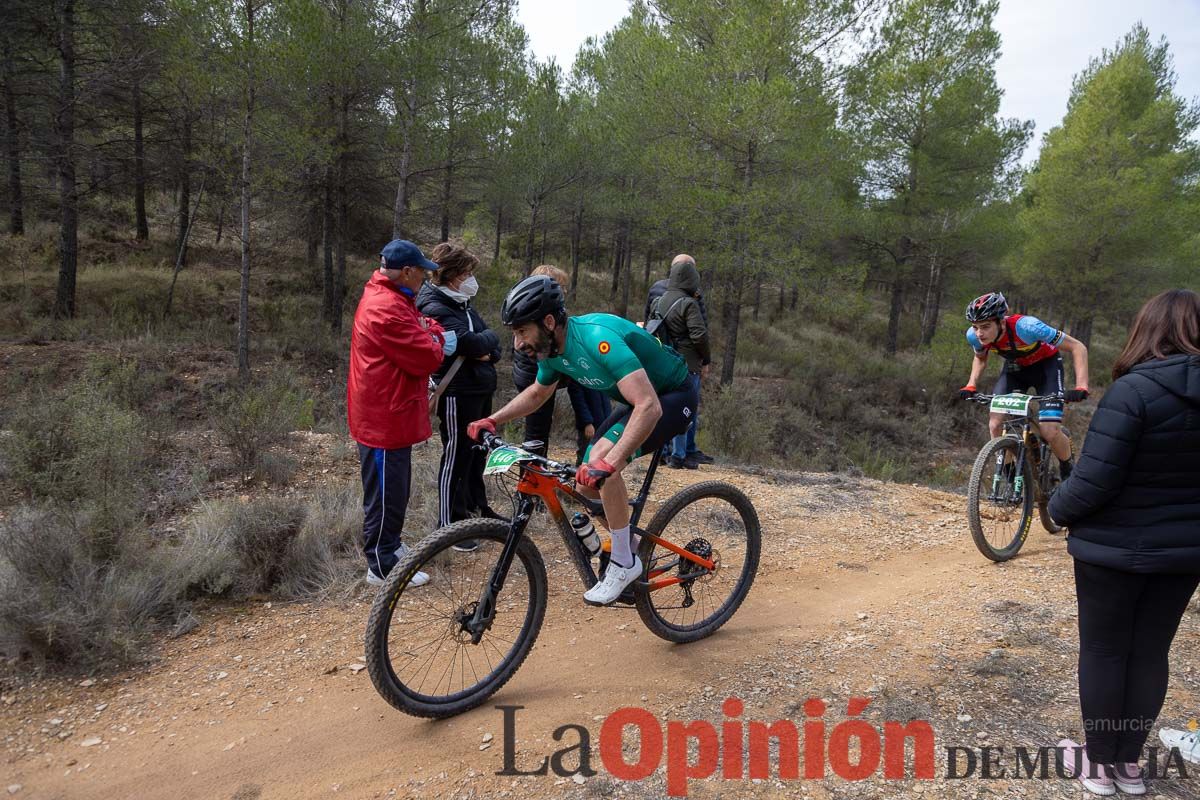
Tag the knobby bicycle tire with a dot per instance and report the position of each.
(985, 457)
(658, 527)
(379, 665)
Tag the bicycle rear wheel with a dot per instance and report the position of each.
(1000, 499)
(714, 520)
(420, 654)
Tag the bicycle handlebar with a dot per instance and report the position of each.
(987, 398)
(492, 442)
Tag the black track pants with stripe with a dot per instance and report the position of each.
(386, 480)
(461, 491)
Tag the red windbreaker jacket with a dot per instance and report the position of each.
(393, 351)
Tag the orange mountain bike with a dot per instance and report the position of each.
(440, 649)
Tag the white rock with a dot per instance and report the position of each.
(13, 788)
(579, 779)
(91, 741)
(86, 682)
(487, 737)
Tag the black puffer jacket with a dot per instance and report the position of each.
(475, 339)
(1133, 501)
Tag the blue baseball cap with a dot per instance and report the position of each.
(403, 253)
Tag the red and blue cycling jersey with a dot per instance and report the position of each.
(1024, 339)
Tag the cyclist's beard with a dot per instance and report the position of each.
(543, 348)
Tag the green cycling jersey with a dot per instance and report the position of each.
(601, 349)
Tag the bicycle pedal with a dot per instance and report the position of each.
(626, 599)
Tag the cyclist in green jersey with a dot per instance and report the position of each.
(655, 395)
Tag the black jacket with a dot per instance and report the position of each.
(1133, 500)
(474, 339)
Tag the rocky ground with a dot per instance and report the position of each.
(865, 590)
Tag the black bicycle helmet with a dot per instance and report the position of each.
(988, 306)
(532, 299)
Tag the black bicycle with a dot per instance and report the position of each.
(444, 648)
(1012, 473)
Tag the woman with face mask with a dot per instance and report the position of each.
(468, 396)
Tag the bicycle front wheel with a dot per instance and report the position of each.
(1000, 499)
(718, 522)
(420, 652)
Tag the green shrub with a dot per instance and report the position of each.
(737, 422)
(83, 448)
(258, 417)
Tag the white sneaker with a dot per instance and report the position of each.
(419, 579)
(1187, 742)
(616, 580)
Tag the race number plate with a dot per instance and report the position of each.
(1014, 405)
(502, 458)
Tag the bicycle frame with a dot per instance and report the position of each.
(538, 486)
(1032, 446)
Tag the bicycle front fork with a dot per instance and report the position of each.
(478, 622)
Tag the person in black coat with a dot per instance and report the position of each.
(468, 396)
(1132, 505)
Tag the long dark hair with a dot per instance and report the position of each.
(1168, 325)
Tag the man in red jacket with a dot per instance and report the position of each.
(393, 351)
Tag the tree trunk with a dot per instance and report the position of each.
(893, 330)
(757, 295)
(542, 252)
(933, 300)
(221, 216)
(795, 295)
(16, 204)
(646, 281)
(1082, 330)
(623, 309)
(731, 308)
(576, 245)
(185, 189)
(400, 210)
(312, 229)
(499, 233)
(782, 296)
(328, 236)
(446, 183)
(179, 253)
(139, 165)
(68, 240)
(343, 215)
(529, 237)
(243, 337)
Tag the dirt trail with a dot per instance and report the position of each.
(865, 589)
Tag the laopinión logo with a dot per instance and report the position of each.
(739, 749)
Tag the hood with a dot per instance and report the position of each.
(1179, 375)
(685, 278)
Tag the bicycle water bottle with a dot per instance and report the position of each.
(585, 531)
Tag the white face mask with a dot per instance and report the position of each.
(465, 291)
(469, 287)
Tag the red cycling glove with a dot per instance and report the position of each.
(591, 475)
(476, 428)
(966, 392)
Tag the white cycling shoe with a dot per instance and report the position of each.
(616, 580)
